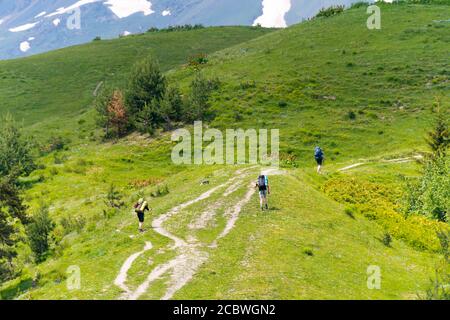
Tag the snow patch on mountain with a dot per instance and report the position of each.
(24, 27)
(76, 5)
(56, 22)
(24, 46)
(166, 13)
(43, 13)
(125, 8)
(273, 13)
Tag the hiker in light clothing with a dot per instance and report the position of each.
(140, 207)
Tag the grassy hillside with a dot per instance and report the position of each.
(361, 94)
(333, 81)
(51, 92)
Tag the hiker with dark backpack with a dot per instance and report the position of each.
(140, 207)
(264, 190)
(319, 156)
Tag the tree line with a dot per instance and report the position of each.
(150, 102)
(16, 160)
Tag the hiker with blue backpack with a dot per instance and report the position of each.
(264, 189)
(319, 156)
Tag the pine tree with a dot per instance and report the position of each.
(39, 231)
(117, 114)
(11, 210)
(439, 138)
(146, 84)
(15, 151)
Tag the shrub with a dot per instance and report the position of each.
(114, 198)
(199, 107)
(247, 85)
(331, 11)
(359, 4)
(196, 61)
(97, 38)
(39, 231)
(382, 204)
(15, 151)
(112, 114)
(71, 224)
(146, 86)
(160, 191)
(171, 107)
(430, 194)
(53, 144)
(351, 115)
(387, 239)
(282, 104)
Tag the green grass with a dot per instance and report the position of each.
(52, 92)
(396, 75)
(304, 80)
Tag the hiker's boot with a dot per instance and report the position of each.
(267, 207)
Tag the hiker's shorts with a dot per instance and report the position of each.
(140, 216)
(319, 161)
(263, 193)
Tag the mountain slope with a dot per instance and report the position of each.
(304, 80)
(34, 26)
(52, 91)
(333, 81)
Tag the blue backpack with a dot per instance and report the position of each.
(318, 153)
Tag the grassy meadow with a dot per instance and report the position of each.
(364, 96)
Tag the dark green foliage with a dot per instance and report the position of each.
(15, 160)
(439, 138)
(387, 239)
(308, 251)
(38, 232)
(101, 106)
(359, 4)
(351, 115)
(430, 194)
(171, 107)
(444, 238)
(160, 191)
(146, 84)
(114, 198)
(199, 108)
(185, 27)
(15, 152)
(10, 208)
(439, 287)
(198, 60)
(97, 38)
(331, 11)
(53, 144)
(71, 224)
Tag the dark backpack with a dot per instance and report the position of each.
(318, 153)
(262, 182)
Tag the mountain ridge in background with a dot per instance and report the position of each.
(30, 27)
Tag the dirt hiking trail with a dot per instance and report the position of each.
(190, 252)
